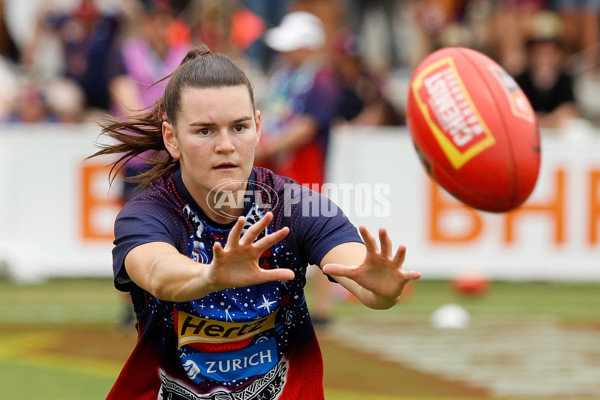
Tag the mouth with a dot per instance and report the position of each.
(225, 166)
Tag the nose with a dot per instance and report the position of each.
(224, 143)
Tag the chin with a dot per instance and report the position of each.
(229, 181)
(230, 185)
(228, 193)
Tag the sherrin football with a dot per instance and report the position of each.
(474, 129)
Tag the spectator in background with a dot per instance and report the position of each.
(9, 56)
(31, 106)
(511, 26)
(357, 11)
(8, 47)
(271, 12)
(87, 35)
(299, 109)
(581, 20)
(361, 101)
(545, 80)
(65, 99)
(301, 100)
(148, 56)
(433, 18)
(10, 88)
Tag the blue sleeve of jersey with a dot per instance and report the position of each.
(135, 225)
(319, 225)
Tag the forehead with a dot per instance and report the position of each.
(215, 103)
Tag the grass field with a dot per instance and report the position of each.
(61, 340)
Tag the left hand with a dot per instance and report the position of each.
(380, 273)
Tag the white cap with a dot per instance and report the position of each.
(297, 30)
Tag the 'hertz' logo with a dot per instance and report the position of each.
(450, 112)
(194, 329)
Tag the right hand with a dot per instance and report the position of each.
(236, 265)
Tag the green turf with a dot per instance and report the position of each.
(26, 381)
(571, 302)
(60, 301)
(96, 301)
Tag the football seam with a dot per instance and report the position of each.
(509, 148)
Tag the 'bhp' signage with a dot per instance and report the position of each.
(99, 203)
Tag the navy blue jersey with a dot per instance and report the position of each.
(251, 342)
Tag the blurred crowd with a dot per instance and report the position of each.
(74, 60)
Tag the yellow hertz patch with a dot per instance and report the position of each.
(194, 329)
(450, 113)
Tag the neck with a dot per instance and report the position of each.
(225, 207)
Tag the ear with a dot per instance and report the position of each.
(258, 121)
(170, 140)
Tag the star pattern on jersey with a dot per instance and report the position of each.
(267, 304)
(227, 315)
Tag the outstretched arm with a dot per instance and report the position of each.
(168, 275)
(375, 276)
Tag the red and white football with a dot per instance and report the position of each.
(474, 129)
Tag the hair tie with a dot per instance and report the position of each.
(202, 51)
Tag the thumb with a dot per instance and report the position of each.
(411, 275)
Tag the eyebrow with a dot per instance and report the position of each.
(211, 124)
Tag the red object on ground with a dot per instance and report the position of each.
(470, 284)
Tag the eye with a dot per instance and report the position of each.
(239, 128)
(204, 132)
